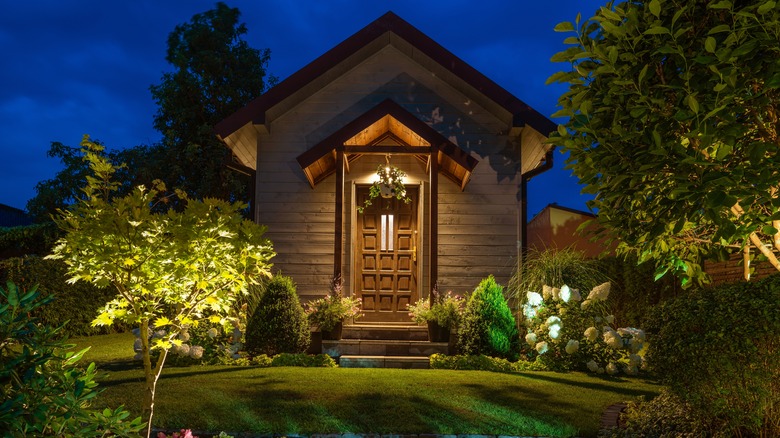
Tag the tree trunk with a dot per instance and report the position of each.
(151, 376)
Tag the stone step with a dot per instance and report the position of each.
(389, 332)
(355, 361)
(377, 347)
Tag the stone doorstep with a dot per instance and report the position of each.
(386, 332)
(416, 362)
(371, 347)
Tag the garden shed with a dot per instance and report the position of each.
(389, 94)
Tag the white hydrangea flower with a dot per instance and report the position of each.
(600, 292)
(541, 347)
(575, 295)
(634, 360)
(184, 335)
(212, 333)
(600, 370)
(547, 292)
(183, 350)
(585, 304)
(592, 366)
(530, 338)
(564, 294)
(556, 293)
(612, 368)
(572, 346)
(610, 319)
(591, 334)
(196, 352)
(554, 325)
(533, 301)
(635, 345)
(611, 338)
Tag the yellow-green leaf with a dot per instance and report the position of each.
(161, 322)
(102, 319)
(564, 27)
(655, 8)
(709, 44)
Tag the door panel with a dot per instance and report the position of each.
(386, 271)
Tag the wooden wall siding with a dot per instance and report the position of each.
(478, 227)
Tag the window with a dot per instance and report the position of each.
(386, 235)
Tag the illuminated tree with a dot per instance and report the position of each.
(673, 124)
(170, 270)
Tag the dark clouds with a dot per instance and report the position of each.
(85, 66)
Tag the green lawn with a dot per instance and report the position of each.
(326, 400)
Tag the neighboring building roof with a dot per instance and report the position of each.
(13, 217)
(389, 22)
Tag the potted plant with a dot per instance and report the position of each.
(441, 317)
(389, 185)
(328, 313)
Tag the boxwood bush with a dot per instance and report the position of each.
(717, 349)
(278, 324)
(488, 326)
(77, 303)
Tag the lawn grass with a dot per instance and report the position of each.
(341, 400)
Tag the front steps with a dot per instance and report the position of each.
(383, 346)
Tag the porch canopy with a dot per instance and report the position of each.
(387, 120)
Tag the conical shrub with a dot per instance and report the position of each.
(278, 324)
(488, 325)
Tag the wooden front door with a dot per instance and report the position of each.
(386, 268)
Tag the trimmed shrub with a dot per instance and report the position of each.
(717, 349)
(482, 363)
(78, 303)
(488, 326)
(664, 416)
(45, 392)
(35, 239)
(278, 324)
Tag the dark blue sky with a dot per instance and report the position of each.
(85, 66)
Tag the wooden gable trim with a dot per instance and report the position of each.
(255, 111)
(457, 164)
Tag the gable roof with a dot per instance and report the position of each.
(255, 111)
(410, 135)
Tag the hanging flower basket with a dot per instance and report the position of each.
(389, 185)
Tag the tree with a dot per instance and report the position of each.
(673, 123)
(171, 270)
(216, 73)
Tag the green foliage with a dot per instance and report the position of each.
(168, 269)
(555, 267)
(303, 360)
(488, 326)
(35, 239)
(215, 74)
(672, 120)
(482, 363)
(75, 303)
(389, 185)
(634, 290)
(664, 415)
(327, 312)
(278, 324)
(446, 311)
(717, 350)
(44, 392)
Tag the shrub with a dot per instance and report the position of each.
(77, 303)
(35, 239)
(45, 392)
(482, 363)
(565, 332)
(718, 348)
(293, 360)
(278, 324)
(488, 326)
(664, 416)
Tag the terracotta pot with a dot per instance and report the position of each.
(437, 333)
(334, 334)
(386, 190)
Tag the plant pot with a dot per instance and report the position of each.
(333, 334)
(386, 190)
(437, 333)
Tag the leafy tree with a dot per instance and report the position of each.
(216, 73)
(673, 123)
(171, 270)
